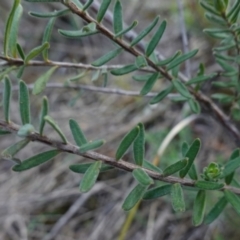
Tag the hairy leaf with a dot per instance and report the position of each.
(142, 177)
(199, 208)
(139, 146)
(82, 168)
(176, 167)
(102, 10)
(50, 14)
(157, 192)
(149, 84)
(177, 198)
(91, 145)
(44, 112)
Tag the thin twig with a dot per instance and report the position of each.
(121, 164)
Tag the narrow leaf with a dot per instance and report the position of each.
(4, 132)
(216, 210)
(82, 168)
(156, 38)
(50, 14)
(133, 25)
(206, 185)
(141, 62)
(235, 154)
(20, 51)
(200, 79)
(102, 10)
(181, 88)
(193, 172)
(150, 166)
(233, 199)
(194, 105)
(146, 31)
(168, 60)
(124, 70)
(54, 125)
(91, 145)
(142, 77)
(160, 96)
(142, 177)
(157, 192)
(77, 133)
(191, 155)
(126, 142)
(182, 59)
(76, 33)
(15, 148)
(117, 17)
(139, 146)
(134, 197)
(177, 198)
(87, 5)
(199, 208)
(46, 37)
(176, 167)
(230, 167)
(24, 104)
(185, 148)
(90, 177)
(36, 51)
(44, 112)
(149, 84)
(41, 82)
(8, 27)
(36, 160)
(7, 94)
(107, 57)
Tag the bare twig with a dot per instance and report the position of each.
(121, 164)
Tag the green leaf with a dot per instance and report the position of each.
(90, 177)
(124, 70)
(150, 166)
(76, 33)
(216, 19)
(146, 31)
(177, 198)
(194, 105)
(46, 37)
(223, 98)
(126, 142)
(24, 103)
(82, 168)
(216, 210)
(102, 10)
(20, 51)
(117, 17)
(41, 82)
(199, 79)
(157, 192)
(133, 25)
(199, 208)
(25, 130)
(20, 71)
(230, 167)
(168, 60)
(107, 57)
(139, 146)
(176, 167)
(234, 12)
(206, 185)
(160, 96)
(91, 145)
(193, 172)
(6, 71)
(77, 133)
(15, 148)
(50, 14)
(44, 1)
(7, 95)
(44, 112)
(149, 84)
(54, 125)
(78, 77)
(141, 62)
(4, 132)
(141, 77)
(235, 154)
(36, 51)
(14, 31)
(182, 59)
(191, 155)
(142, 177)
(36, 160)
(156, 38)
(184, 148)
(233, 199)
(209, 7)
(181, 88)
(134, 197)
(87, 5)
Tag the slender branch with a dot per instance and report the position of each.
(121, 164)
(203, 99)
(19, 62)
